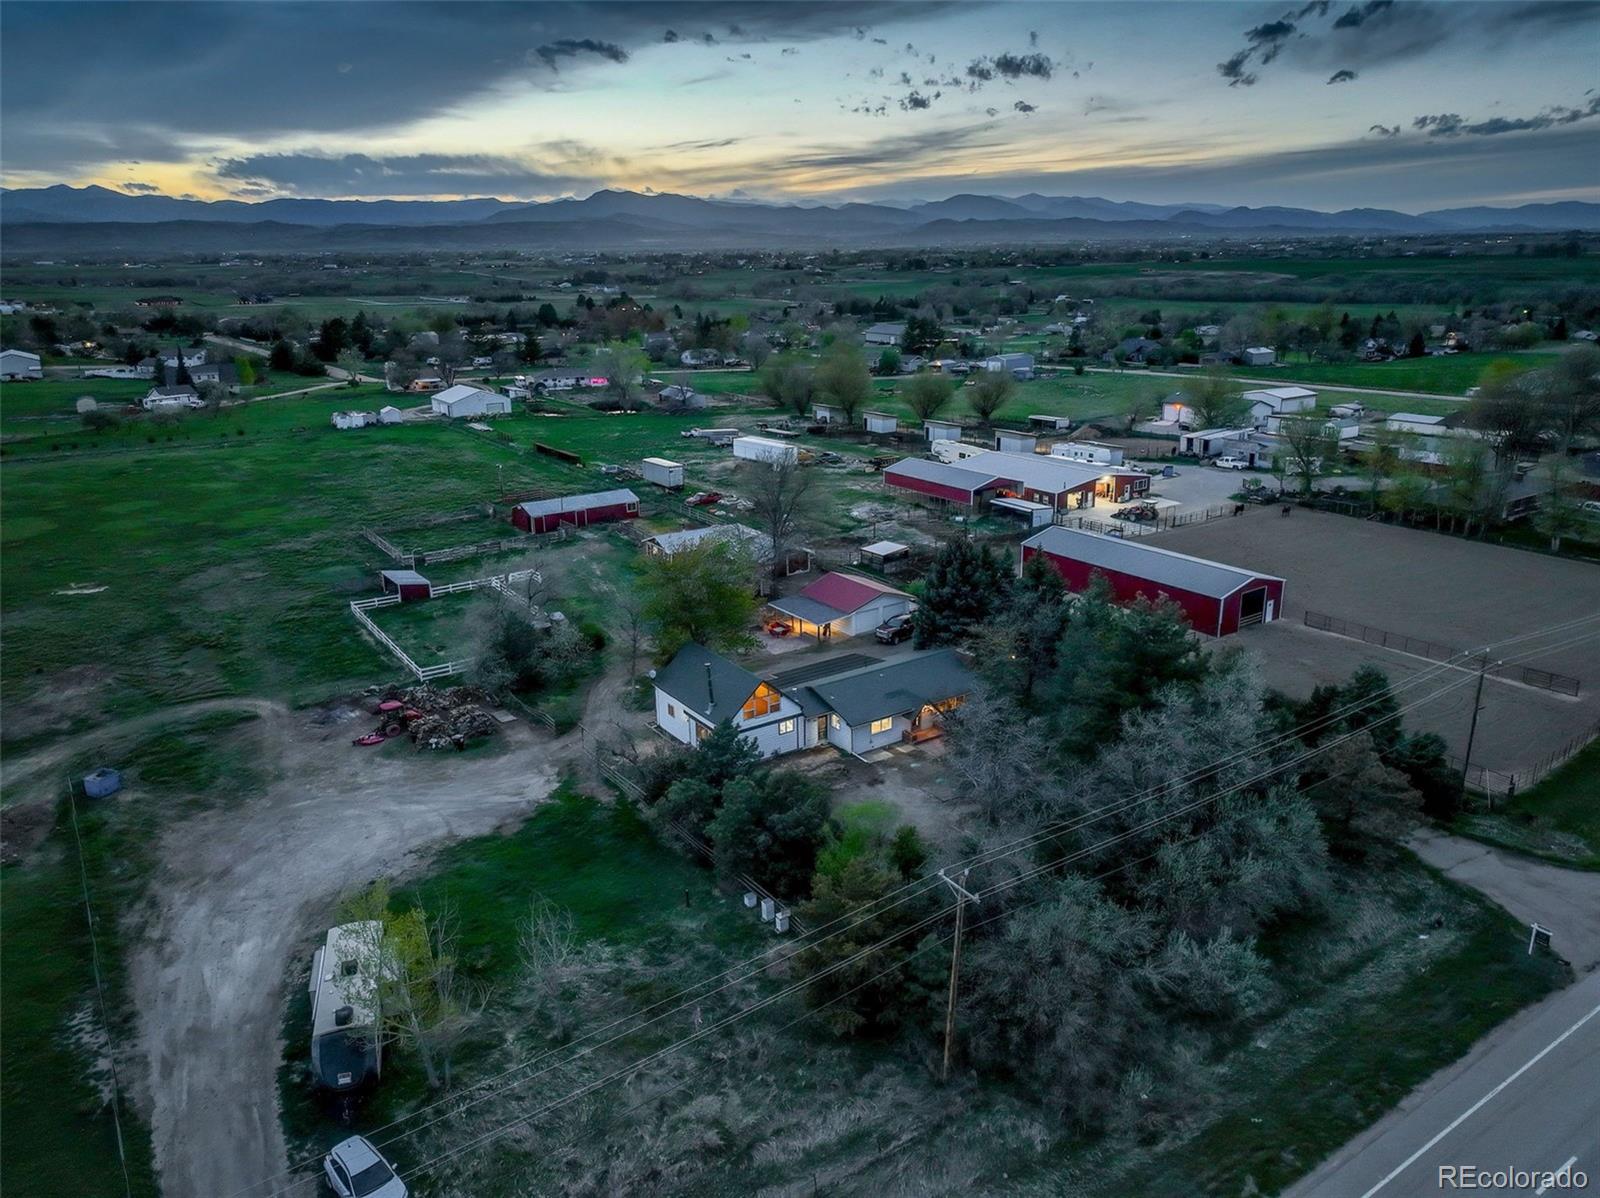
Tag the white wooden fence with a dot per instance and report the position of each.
(501, 583)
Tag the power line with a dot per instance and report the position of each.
(873, 910)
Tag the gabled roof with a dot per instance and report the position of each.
(1035, 470)
(887, 327)
(946, 475)
(880, 690)
(175, 392)
(408, 578)
(462, 391)
(1280, 393)
(758, 543)
(577, 503)
(707, 683)
(1161, 566)
(847, 592)
(810, 610)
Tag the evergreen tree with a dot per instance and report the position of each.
(964, 587)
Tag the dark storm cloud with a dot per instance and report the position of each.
(207, 73)
(1451, 124)
(915, 101)
(1380, 31)
(576, 47)
(1342, 76)
(410, 174)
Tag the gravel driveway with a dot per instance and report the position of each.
(243, 891)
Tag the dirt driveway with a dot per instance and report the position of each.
(244, 888)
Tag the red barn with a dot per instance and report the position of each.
(545, 515)
(1217, 599)
(939, 480)
(1029, 476)
(408, 584)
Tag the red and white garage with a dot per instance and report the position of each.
(1217, 599)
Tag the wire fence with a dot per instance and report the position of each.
(1125, 528)
(500, 583)
(1503, 786)
(1561, 684)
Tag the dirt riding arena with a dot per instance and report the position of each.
(1445, 590)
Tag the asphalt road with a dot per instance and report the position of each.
(1527, 1097)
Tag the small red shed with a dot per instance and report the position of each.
(408, 584)
(1217, 599)
(546, 515)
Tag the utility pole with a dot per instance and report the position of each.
(962, 895)
(1472, 729)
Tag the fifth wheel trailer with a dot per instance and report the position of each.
(346, 1048)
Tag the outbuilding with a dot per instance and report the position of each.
(662, 472)
(942, 482)
(1092, 453)
(881, 423)
(1018, 366)
(462, 401)
(884, 554)
(391, 415)
(888, 333)
(19, 364)
(1053, 424)
(408, 584)
(765, 449)
(839, 604)
(1009, 442)
(580, 511)
(1216, 599)
(827, 413)
(942, 430)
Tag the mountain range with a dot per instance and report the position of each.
(97, 218)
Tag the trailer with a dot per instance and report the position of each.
(717, 436)
(663, 473)
(346, 1045)
(765, 449)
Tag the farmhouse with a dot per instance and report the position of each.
(884, 334)
(463, 400)
(865, 705)
(841, 605)
(1217, 599)
(18, 364)
(408, 584)
(599, 507)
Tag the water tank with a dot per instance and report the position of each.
(768, 910)
(102, 782)
(781, 922)
(749, 898)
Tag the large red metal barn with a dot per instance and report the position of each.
(1217, 599)
(545, 515)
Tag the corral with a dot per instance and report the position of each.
(1441, 590)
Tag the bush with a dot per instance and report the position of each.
(770, 827)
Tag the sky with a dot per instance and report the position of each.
(1372, 103)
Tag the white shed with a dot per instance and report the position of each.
(463, 401)
(1010, 442)
(20, 364)
(942, 430)
(391, 415)
(662, 472)
(881, 422)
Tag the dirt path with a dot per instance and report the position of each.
(36, 775)
(244, 890)
(1567, 901)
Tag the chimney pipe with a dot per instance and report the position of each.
(711, 694)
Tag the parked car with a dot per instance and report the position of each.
(704, 498)
(356, 1169)
(894, 630)
(1590, 507)
(1231, 463)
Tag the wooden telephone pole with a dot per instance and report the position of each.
(962, 896)
(1472, 730)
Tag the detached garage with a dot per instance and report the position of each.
(1217, 599)
(599, 507)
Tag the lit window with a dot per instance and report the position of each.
(786, 727)
(836, 721)
(701, 732)
(765, 701)
(882, 725)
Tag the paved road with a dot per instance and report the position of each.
(1527, 1097)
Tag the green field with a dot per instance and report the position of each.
(1557, 819)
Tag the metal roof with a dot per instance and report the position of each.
(1163, 566)
(1036, 470)
(904, 685)
(707, 683)
(405, 578)
(847, 592)
(462, 391)
(945, 475)
(812, 611)
(577, 503)
(759, 543)
(884, 548)
(1022, 505)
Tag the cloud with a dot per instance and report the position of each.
(313, 174)
(1017, 66)
(139, 188)
(670, 36)
(1024, 107)
(1342, 76)
(1451, 124)
(573, 47)
(1385, 130)
(1358, 15)
(915, 102)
